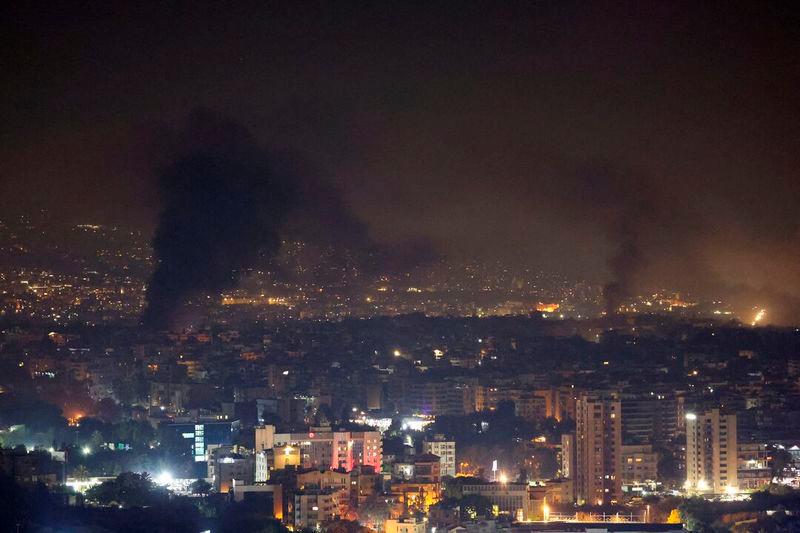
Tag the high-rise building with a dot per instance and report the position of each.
(446, 450)
(598, 448)
(711, 452)
(568, 455)
(649, 417)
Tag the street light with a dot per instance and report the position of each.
(86, 450)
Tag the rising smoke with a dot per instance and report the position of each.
(223, 208)
(227, 204)
(662, 237)
(625, 205)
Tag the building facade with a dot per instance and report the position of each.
(446, 450)
(335, 449)
(514, 499)
(598, 448)
(711, 452)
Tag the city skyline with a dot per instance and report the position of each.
(518, 266)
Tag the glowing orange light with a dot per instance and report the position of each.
(759, 317)
(543, 307)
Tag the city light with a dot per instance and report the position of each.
(164, 478)
(582, 244)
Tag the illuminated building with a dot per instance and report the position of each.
(323, 448)
(365, 482)
(227, 466)
(286, 455)
(568, 455)
(427, 468)
(559, 491)
(446, 450)
(753, 470)
(201, 435)
(513, 499)
(262, 460)
(327, 480)
(264, 438)
(312, 508)
(374, 396)
(639, 464)
(559, 402)
(598, 448)
(323, 479)
(416, 496)
(711, 452)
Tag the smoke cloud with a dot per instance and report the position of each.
(661, 236)
(223, 208)
(227, 204)
(626, 207)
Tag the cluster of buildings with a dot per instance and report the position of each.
(625, 408)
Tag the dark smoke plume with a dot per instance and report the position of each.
(624, 265)
(223, 209)
(227, 204)
(628, 209)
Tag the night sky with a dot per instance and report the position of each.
(657, 142)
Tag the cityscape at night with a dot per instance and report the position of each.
(473, 267)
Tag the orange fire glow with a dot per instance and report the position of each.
(543, 307)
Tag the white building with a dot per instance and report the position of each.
(446, 450)
(711, 452)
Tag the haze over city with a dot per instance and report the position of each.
(559, 136)
(271, 266)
